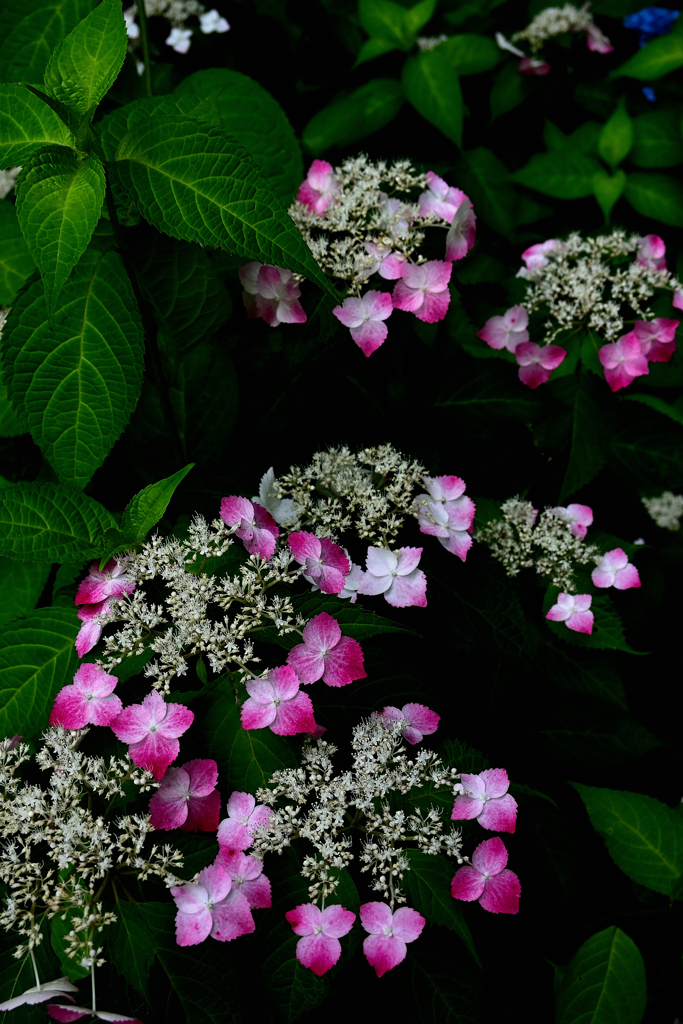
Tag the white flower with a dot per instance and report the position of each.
(179, 39)
(212, 22)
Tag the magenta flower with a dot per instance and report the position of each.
(187, 798)
(208, 907)
(318, 192)
(580, 516)
(506, 331)
(396, 575)
(94, 616)
(325, 562)
(48, 990)
(486, 798)
(462, 232)
(535, 256)
(573, 611)
(419, 720)
(657, 338)
(651, 250)
(71, 1013)
(530, 66)
(277, 702)
(615, 570)
(385, 946)
(387, 263)
(112, 581)
(319, 948)
(596, 40)
(257, 528)
(152, 730)
(270, 293)
(536, 363)
(423, 290)
(623, 361)
(488, 880)
(364, 316)
(447, 513)
(89, 700)
(326, 654)
(246, 874)
(236, 832)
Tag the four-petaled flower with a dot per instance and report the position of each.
(277, 702)
(180, 39)
(447, 513)
(385, 946)
(365, 316)
(486, 798)
(615, 570)
(283, 510)
(112, 581)
(48, 990)
(536, 257)
(396, 575)
(623, 361)
(93, 617)
(506, 331)
(319, 190)
(272, 294)
(537, 362)
(326, 654)
(325, 562)
(245, 816)
(488, 880)
(440, 200)
(319, 947)
(89, 700)
(572, 609)
(257, 529)
(462, 232)
(211, 21)
(580, 516)
(386, 262)
(247, 877)
(187, 798)
(657, 338)
(651, 252)
(208, 907)
(423, 290)
(152, 729)
(419, 720)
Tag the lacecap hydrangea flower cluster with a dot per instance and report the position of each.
(548, 24)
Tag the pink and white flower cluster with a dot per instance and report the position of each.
(550, 22)
(95, 593)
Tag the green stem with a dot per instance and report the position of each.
(35, 968)
(142, 13)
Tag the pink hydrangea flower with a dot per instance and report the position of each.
(396, 575)
(572, 609)
(623, 361)
(440, 200)
(651, 253)
(537, 362)
(657, 338)
(93, 617)
(385, 946)
(325, 562)
(246, 874)
(462, 232)
(66, 1014)
(272, 294)
(326, 654)
(112, 581)
(447, 513)
(580, 516)
(488, 880)
(277, 702)
(387, 263)
(615, 570)
(319, 947)
(152, 729)
(423, 290)
(395, 216)
(48, 990)
(596, 40)
(319, 191)
(365, 317)
(486, 798)
(206, 908)
(187, 798)
(529, 66)
(245, 816)
(677, 300)
(283, 510)
(89, 700)
(506, 331)
(352, 583)
(419, 720)
(535, 256)
(257, 528)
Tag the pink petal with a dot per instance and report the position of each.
(408, 560)
(468, 884)
(344, 664)
(233, 835)
(466, 808)
(496, 781)
(318, 952)
(435, 306)
(305, 918)
(191, 929)
(581, 622)
(337, 921)
(437, 275)
(371, 585)
(308, 664)
(234, 509)
(262, 691)
(422, 718)
(499, 814)
(406, 298)
(203, 776)
(322, 632)
(168, 807)
(458, 542)
(501, 894)
(626, 578)
(407, 924)
(294, 716)
(257, 716)
(66, 1013)
(407, 591)
(351, 313)
(203, 813)
(381, 561)
(375, 917)
(384, 952)
(154, 753)
(304, 545)
(176, 721)
(232, 918)
(285, 682)
(248, 276)
(369, 336)
(490, 857)
(88, 635)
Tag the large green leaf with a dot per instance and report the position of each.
(246, 757)
(616, 137)
(29, 32)
(429, 883)
(655, 59)
(590, 436)
(390, 21)
(21, 584)
(148, 506)
(598, 678)
(37, 658)
(361, 113)
(674, 412)
(433, 88)
(657, 139)
(444, 991)
(51, 523)
(16, 263)
(486, 180)
(487, 397)
(470, 54)
(566, 175)
(604, 982)
(643, 836)
(645, 455)
(27, 124)
(195, 182)
(133, 945)
(582, 741)
(656, 195)
(204, 984)
(59, 199)
(78, 383)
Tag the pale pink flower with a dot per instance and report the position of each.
(326, 654)
(615, 570)
(395, 216)
(319, 191)
(537, 362)
(677, 300)
(180, 39)
(423, 290)
(387, 263)
(282, 510)
(572, 609)
(535, 256)
(650, 254)
(11, 742)
(245, 817)
(112, 581)
(48, 990)
(506, 331)
(66, 1014)
(419, 720)
(486, 798)
(187, 798)
(326, 564)
(212, 22)
(152, 729)
(596, 40)
(396, 575)
(89, 700)
(247, 877)
(440, 200)
(580, 516)
(657, 338)
(623, 361)
(385, 946)
(276, 702)
(488, 880)
(94, 617)
(364, 316)
(257, 529)
(462, 232)
(271, 293)
(532, 66)
(208, 907)
(447, 513)
(352, 583)
(319, 947)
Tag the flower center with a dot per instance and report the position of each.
(388, 930)
(318, 929)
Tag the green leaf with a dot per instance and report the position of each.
(604, 982)
(429, 884)
(148, 506)
(616, 137)
(12, 421)
(71, 968)
(598, 678)
(17, 975)
(203, 983)
(644, 455)
(83, 67)
(16, 263)
(361, 113)
(444, 992)
(433, 88)
(375, 47)
(566, 175)
(195, 182)
(643, 836)
(590, 436)
(470, 54)
(133, 946)
(657, 58)
(51, 523)
(37, 658)
(27, 124)
(486, 180)
(584, 742)
(509, 89)
(656, 195)
(416, 17)
(21, 584)
(608, 188)
(59, 199)
(29, 32)
(486, 398)
(391, 21)
(659, 405)
(657, 139)
(246, 758)
(78, 383)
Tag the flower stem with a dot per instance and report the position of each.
(35, 968)
(92, 979)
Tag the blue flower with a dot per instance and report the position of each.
(651, 22)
